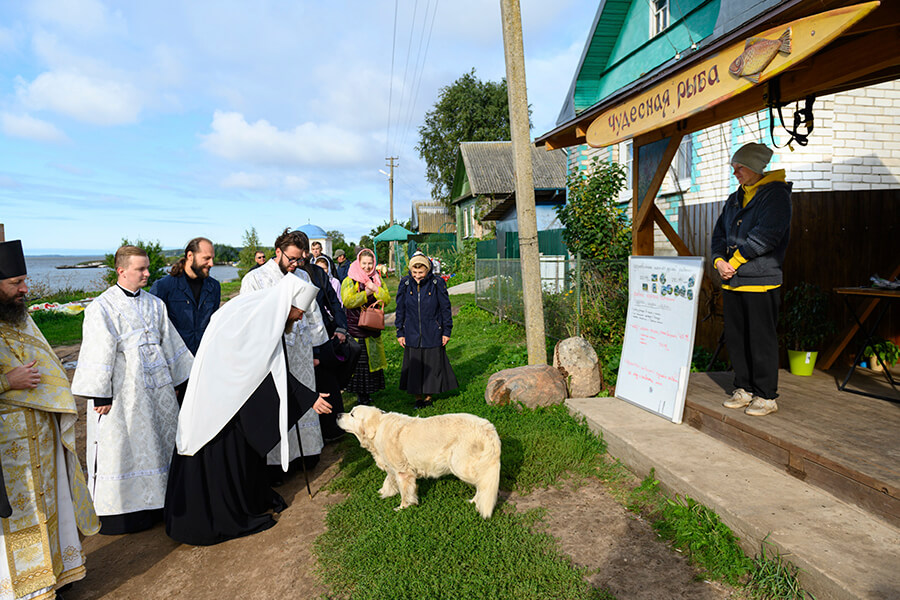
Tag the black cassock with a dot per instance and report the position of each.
(222, 492)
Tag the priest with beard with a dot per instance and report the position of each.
(48, 498)
(240, 402)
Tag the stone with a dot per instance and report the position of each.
(532, 386)
(577, 362)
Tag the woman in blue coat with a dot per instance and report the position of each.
(424, 323)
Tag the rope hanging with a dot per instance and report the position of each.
(803, 117)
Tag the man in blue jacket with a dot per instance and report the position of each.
(190, 294)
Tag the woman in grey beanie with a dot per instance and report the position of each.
(748, 248)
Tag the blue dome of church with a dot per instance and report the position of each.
(313, 232)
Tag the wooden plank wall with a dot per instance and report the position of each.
(838, 238)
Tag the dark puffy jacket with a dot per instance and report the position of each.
(760, 231)
(423, 311)
(190, 318)
(342, 269)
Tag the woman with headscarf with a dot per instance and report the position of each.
(363, 287)
(424, 323)
(326, 265)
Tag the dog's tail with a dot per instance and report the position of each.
(489, 483)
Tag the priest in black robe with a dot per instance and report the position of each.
(240, 401)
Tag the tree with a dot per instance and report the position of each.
(154, 253)
(468, 110)
(339, 243)
(225, 253)
(595, 225)
(248, 252)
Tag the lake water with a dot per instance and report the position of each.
(43, 274)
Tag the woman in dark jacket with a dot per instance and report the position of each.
(748, 248)
(424, 323)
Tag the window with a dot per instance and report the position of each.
(627, 157)
(659, 16)
(683, 158)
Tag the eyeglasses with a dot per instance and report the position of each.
(292, 261)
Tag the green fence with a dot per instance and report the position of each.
(550, 242)
(579, 297)
(432, 244)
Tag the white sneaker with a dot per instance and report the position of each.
(761, 407)
(739, 399)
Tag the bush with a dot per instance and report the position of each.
(595, 225)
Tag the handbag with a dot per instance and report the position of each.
(372, 317)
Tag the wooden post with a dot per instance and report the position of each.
(2, 233)
(525, 210)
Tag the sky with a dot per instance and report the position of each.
(166, 120)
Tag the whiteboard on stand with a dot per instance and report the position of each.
(663, 293)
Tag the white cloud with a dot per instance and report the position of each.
(29, 128)
(309, 144)
(88, 99)
(82, 17)
(247, 181)
(293, 183)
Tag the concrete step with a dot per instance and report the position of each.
(843, 552)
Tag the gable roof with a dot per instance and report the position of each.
(489, 169)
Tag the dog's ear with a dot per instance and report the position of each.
(369, 423)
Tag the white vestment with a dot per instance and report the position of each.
(307, 333)
(131, 353)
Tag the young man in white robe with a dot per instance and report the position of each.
(131, 361)
(307, 333)
(48, 497)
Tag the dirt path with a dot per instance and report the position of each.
(621, 550)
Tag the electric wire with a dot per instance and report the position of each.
(387, 137)
(406, 62)
(421, 71)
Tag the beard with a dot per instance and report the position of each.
(13, 310)
(200, 271)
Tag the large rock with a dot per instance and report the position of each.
(577, 362)
(533, 386)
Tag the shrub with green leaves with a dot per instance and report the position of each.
(595, 225)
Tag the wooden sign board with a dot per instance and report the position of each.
(663, 293)
(734, 70)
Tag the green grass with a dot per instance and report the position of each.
(443, 548)
(59, 328)
(230, 287)
(712, 547)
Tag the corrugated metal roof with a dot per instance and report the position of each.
(490, 167)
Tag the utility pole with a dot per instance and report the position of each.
(535, 341)
(390, 164)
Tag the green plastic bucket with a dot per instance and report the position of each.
(801, 362)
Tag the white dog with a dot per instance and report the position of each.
(407, 448)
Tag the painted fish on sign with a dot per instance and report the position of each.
(757, 54)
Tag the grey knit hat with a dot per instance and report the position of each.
(753, 156)
(338, 253)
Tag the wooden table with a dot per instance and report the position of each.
(878, 294)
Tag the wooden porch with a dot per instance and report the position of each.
(844, 443)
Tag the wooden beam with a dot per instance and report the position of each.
(649, 200)
(670, 232)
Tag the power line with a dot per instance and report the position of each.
(391, 80)
(421, 71)
(406, 65)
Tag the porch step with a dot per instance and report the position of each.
(843, 551)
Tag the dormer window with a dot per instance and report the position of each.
(659, 16)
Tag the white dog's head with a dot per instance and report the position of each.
(362, 422)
